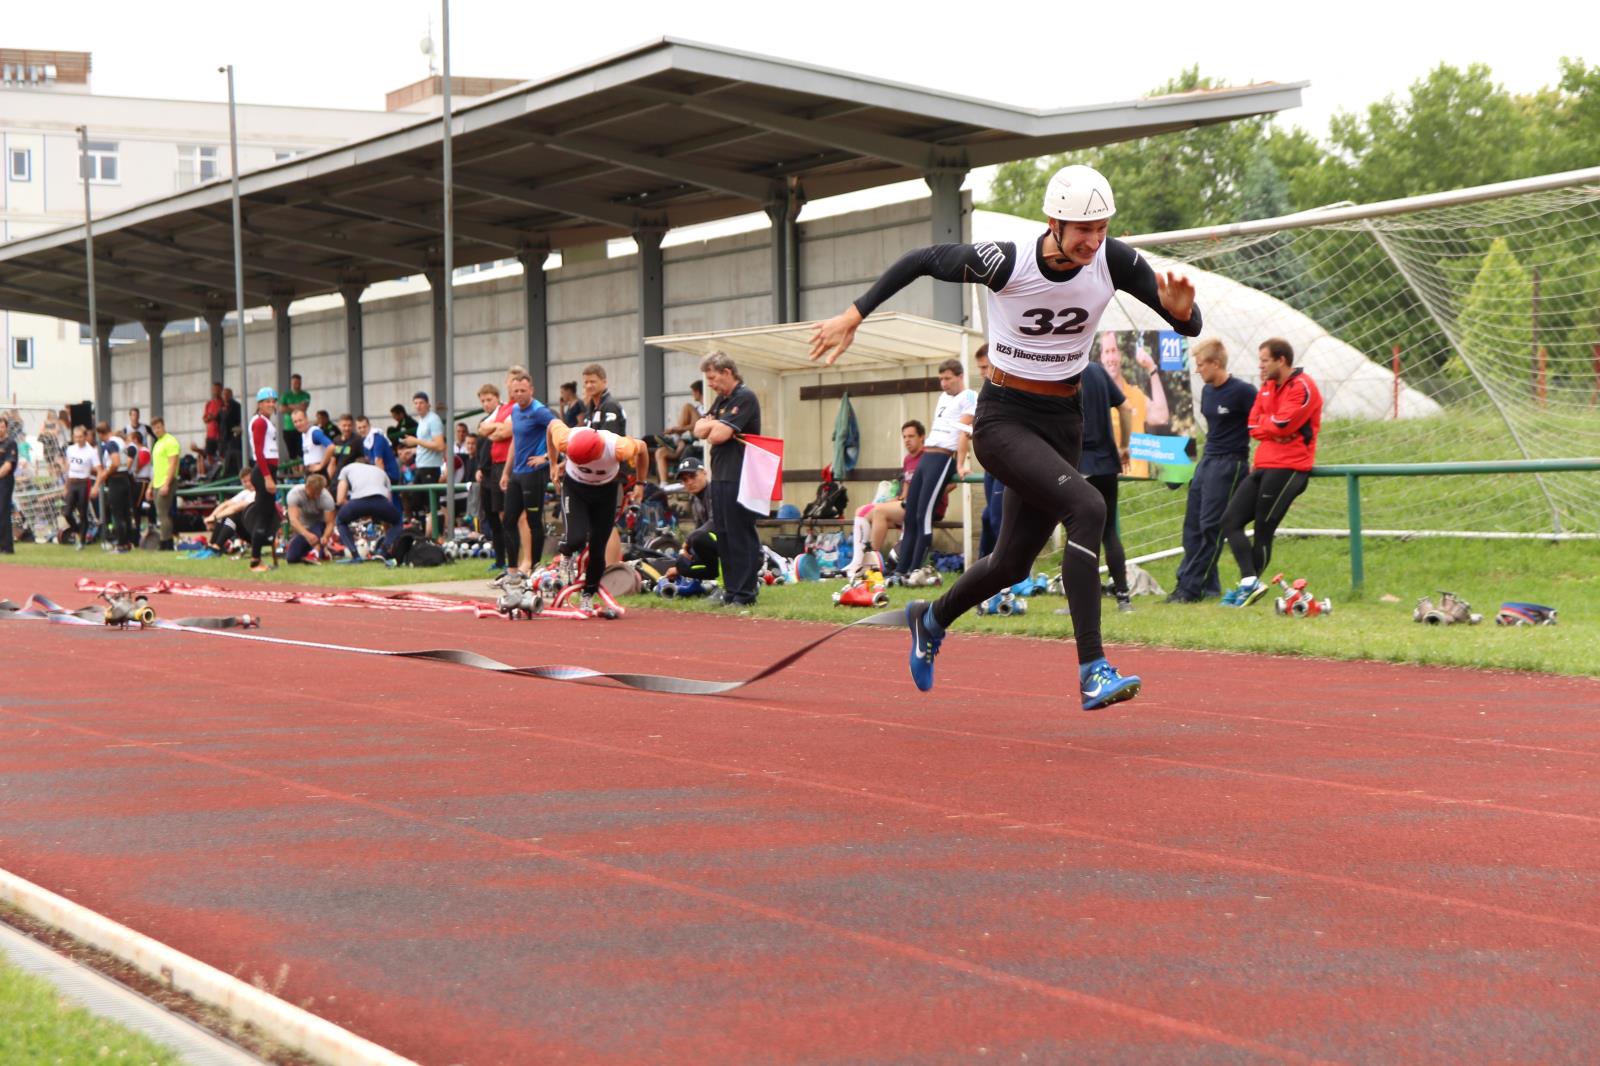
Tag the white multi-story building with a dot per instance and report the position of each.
(138, 149)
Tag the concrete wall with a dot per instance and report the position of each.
(593, 317)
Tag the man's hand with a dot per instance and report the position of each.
(963, 468)
(1142, 357)
(1177, 294)
(833, 336)
(1122, 453)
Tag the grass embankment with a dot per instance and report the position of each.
(36, 1026)
(1566, 576)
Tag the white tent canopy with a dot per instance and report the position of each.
(888, 340)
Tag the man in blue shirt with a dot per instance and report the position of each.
(378, 449)
(527, 474)
(426, 446)
(1104, 458)
(1225, 404)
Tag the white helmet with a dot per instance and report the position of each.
(1079, 194)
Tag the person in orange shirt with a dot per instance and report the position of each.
(587, 464)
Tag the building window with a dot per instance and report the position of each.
(99, 164)
(20, 164)
(197, 164)
(280, 154)
(22, 353)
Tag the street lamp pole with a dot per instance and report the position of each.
(101, 403)
(238, 271)
(449, 397)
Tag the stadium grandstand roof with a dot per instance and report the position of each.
(664, 135)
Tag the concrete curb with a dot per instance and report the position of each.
(282, 1022)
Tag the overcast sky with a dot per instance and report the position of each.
(348, 53)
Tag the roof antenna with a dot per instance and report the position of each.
(426, 45)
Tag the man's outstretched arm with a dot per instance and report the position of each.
(989, 264)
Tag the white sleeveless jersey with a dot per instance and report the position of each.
(269, 440)
(601, 470)
(1044, 329)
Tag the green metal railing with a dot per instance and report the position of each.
(1354, 472)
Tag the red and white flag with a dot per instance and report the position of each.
(761, 478)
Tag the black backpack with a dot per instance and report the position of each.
(831, 501)
(413, 548)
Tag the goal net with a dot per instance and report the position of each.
(1444, 328)
(39, 493)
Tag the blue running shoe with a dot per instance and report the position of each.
(924, 645)
(1232, 597)
(1253, 593)
(1102, 685)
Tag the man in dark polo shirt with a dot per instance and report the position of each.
(1105, 456)
(600, 410)
(735, 411)
(1225, 404)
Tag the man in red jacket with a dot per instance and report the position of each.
(1286, 418)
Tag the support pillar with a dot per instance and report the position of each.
(283, 347)
(439, 391)
(214, 317)
(355, 375)
(946, 209)
(652, 322)
(214, 335)
(783, 212)
(102, 355)
(153, 328)
(536, 320)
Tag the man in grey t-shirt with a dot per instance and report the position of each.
(310, 513)
(364, 493)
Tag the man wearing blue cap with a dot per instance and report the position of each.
(262, 519)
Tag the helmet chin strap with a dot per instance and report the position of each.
(1061, 249)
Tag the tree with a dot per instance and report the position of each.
(1173, 181)
(1494, 329)
(1566, 121)
(1457, 128)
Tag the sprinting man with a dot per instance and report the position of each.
(944, 451)
(1045, 301)
(588, 467)
(1286, 419)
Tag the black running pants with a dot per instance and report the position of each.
(1032, 444)
(1116, 558)
(588, 513)
(1263, 498)
(525, 495)
(78, 506)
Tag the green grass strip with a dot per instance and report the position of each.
(36, 1026)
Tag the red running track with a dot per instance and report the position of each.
(1257, 860)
